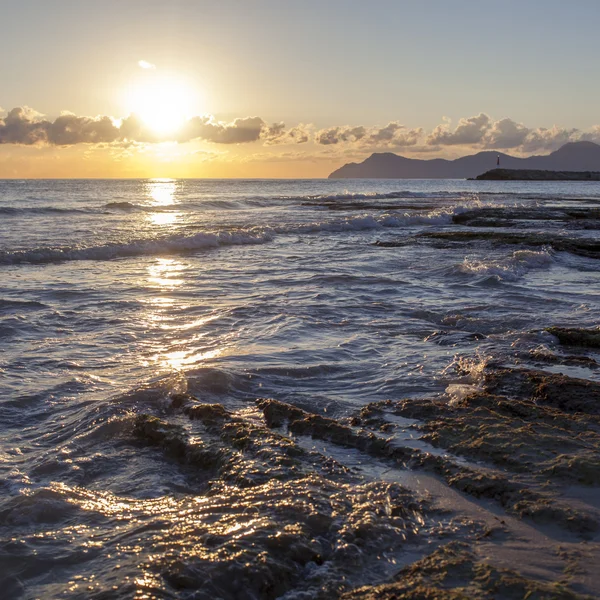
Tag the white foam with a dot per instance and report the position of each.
(374, 195)
(372, 222)
(510, 268)
(459, 391)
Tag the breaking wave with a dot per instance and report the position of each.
(182, 243)
(367, 222)
(171, 245)
(510, 268)
(379, 196)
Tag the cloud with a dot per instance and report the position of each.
(21, 126)
(468, 131)
(239, 131)
(393, 135)
(144, 64)
(549, 139)
(591, 136)
(24, 126)
(481, 132)
(339, 135)
(69, 129)
(277, 134)
(505, 133)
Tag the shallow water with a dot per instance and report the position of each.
(328, 295)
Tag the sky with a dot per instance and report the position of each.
(288, 88)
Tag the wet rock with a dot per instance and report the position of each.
(506, 216)
(312, 535)
(589, 248)
(466, 437)
(209, 414)
(453, 572)
(546, 357)
(572, 336)
(174, 440)
(278, 414)
(569, 394)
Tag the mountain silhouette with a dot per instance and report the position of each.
(574, 156)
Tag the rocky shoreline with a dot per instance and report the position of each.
(511, 460)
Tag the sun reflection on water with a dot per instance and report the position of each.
(161, 192)
(184, 341)
(182, 358)
(164, 218)
(165, 273)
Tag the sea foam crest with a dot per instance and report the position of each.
(367, 222)
(401, 194)
(510, 268)
(170, 245)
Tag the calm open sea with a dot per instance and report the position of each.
(116, 296)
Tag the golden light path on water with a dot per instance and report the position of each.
(161, 193)
(167, 274)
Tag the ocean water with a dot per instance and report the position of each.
(122, 302)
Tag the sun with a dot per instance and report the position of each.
(162, 102)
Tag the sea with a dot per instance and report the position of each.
(146, 324)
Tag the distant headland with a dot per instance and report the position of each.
(574, 156)
(537, 175)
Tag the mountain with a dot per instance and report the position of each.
(574, 156)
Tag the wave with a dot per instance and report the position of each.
(9, 305)
(38, 210)
(367, 222)
(124, 206)
(401, 194)
(141, 247)
(198, 241)
(510, 268)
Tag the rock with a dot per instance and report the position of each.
(571, 336)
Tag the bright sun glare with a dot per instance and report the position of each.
(162, 102)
